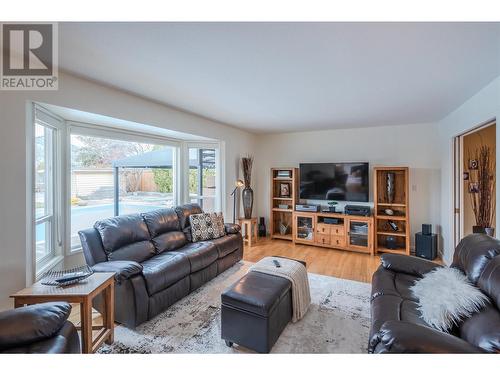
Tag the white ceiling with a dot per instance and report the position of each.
(273, 77)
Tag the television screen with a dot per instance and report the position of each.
(334, 181)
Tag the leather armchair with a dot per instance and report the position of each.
(396, 322)
(403, 337)
(41, 328)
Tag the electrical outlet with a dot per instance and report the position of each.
(413, 187)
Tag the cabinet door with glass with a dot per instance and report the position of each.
(304, 227)
(359, 236)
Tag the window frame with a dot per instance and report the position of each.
(219, 170)
(56, 124)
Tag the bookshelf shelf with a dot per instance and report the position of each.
(398, 203)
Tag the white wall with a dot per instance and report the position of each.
(91, 97)
(482, 107)
(415, 146)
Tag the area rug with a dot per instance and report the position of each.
(337, 321)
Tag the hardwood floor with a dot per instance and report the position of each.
(330, 262)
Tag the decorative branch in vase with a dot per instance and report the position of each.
(247, 193)
(482, 195)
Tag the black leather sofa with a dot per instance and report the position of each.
(41, 328)
(396, 325)
(154, 260)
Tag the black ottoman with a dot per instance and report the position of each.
(255, 310)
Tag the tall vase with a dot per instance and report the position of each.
(247, 196)
(390, 185)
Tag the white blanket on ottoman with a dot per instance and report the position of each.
(297, 274)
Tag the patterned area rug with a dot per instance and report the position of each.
(337, 321)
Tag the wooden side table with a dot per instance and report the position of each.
(82, 293)
(249, 229)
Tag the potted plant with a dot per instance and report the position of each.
(482, 194)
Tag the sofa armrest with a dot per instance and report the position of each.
(232, 228)
(123, 269)
(29, 324)
(403, 337)
(408, 264)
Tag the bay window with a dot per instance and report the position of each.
(85, 172)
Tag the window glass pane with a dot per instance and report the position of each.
(202, 178)
(194, 175)
(43, 170)
(146, 189)
(43, 243)
(44, 192)
(145, 179)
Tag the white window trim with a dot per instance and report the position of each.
(38, 268)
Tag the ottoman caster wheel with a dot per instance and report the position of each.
(229, 343)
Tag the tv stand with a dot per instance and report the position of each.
(353, 233)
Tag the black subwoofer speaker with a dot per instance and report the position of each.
(426, 246)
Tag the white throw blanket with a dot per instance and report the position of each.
(297, 274)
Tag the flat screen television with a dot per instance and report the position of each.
(334, 181)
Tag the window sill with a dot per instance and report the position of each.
(49, 265)
(76, 250)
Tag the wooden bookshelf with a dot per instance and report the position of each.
(283, 215)
(400, 206)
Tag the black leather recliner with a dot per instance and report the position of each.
(154, 260)
(41, 328)
(396, 325)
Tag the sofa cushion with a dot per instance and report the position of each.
(207, 226)
(165, 230)
(473, 253)
(125, 237)
(161, 221)
(184, 211)
(389, 307)
(200, 254)
(169, 241)
(227, 244)
(489, 281)
(388, 282)
(28, 324)
(163, 270)
(483, 329)
(137, 252)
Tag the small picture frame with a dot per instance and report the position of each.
(466, 176)
(473, 164)
(473, 187)
(284, 189)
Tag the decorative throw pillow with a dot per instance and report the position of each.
(446, 297)
(207, 226)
